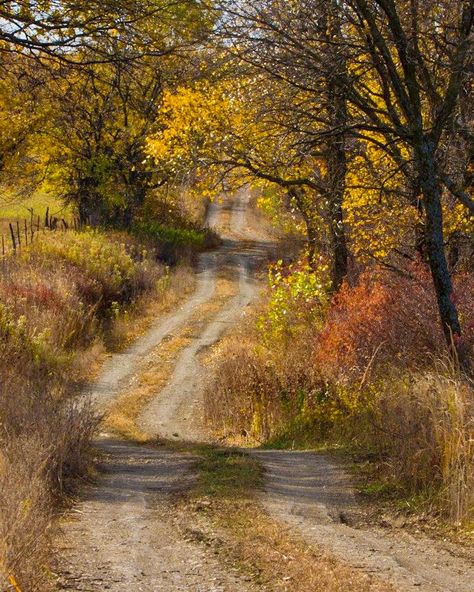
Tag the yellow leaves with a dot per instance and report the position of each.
(457, 218)
(217, 129)
(192, 120)
(379, 219)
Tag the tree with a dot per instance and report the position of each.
(21, 115)
(399, 70)
(409, 66)
(65, 28)
(230, 130)
(101, 113)
(293, 44)
(100, 117)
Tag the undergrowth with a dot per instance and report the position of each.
(362, 370)
(176, 227)
(56, 301)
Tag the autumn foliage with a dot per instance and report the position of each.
(388, 319)
(367, 368)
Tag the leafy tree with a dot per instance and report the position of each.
(409, 64)
(64, 28)
(293, 44)
(399, 72)
(101, 114)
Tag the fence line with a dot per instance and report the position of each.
(21, 234)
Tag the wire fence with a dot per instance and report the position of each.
(20, 233)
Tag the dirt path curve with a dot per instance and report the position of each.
(120, 367)
(123, 538)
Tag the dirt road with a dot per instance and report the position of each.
(122, 537)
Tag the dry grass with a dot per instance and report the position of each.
(37, 465)
(56, 300)
(424, 427)
(416, 426)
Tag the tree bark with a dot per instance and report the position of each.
(337, 169)
(434, 241)
(336, 157)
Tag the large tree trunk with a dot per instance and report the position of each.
(337, 169)
(336, 157)
(87, 202)
(434, 242)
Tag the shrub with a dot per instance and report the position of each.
(388, 320)
(117, 271)
(173, 243)
(298, 298)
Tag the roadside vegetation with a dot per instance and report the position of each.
(62, 300)
(365, 370)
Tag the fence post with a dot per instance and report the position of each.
(26, 233)
(18, 234)
(46, 218)
(13, 237)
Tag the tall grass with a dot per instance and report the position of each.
(362, 372)
(55, 300)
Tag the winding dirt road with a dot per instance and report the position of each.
(121, 535)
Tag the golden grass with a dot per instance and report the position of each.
(13, 207)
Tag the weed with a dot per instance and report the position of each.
(56, 298)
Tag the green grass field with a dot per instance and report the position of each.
(12, 207)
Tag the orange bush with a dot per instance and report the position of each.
(387, 319)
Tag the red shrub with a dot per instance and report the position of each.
(388, 319)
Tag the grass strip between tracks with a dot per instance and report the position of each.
(225, 507)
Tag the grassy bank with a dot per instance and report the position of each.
(365, 371)
(61, 300)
